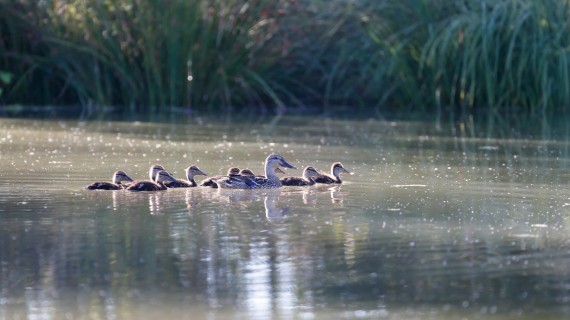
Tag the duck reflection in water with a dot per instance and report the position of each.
(115, 200)
(194, 197)
(272, 212)
(337, 196)
(231, 196)
(310, 196)
(154, 204)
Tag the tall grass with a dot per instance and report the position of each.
(153, 54)
(503, 62)
(23, 55)
(331, 56)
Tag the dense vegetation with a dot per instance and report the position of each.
(499, 60)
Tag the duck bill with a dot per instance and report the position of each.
(287, 165)
(200, 172)
(346, 171)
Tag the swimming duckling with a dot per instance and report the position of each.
(154, 169)
(272, 162)
(248, 173)
(161, 177)
(307, 180)
(334, 177)
(190, 173)
(118, 177)
(232, 172)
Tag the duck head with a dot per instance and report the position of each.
(163, 176)
(120, 176)
(337, 169)
(154, 170)
(310, 172)
(192, 171)
(275, 160)
(233, 171)
(246, 173)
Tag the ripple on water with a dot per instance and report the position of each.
(427, 228)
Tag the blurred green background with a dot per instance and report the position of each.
(491, 62)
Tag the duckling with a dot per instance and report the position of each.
(191, 171)
(161, 177)
(154, 169)
(248, 173)
(307, 180)
(334, 177)
(232, 172)
(118, 177)
(271, 181)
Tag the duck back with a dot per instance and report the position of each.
(103, 185)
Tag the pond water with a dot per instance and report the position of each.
(429, 227)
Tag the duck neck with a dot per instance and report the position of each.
(270, 174)
(307, 178)
(192, 181)
(337, 177)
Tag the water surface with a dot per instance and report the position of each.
(430, 226)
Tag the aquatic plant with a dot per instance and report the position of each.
(150, 54)
(5, 79)
(502, 62)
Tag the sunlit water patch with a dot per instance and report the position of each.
(429, 226)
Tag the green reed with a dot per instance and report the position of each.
(155, 54)
(504, 62)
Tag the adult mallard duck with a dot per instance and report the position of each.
(244, 175)
(271, 181)
(161, 177)
(309, 173)
(334, 177)
(116, 184)
(232, 172)
(191, 171)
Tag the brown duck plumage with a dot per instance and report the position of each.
(309, 173)
(161, 177)
(116, 184)
(191, 171)
(272, 162)
(334, 177)
(232, 172)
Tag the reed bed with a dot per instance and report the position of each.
(498, 62)
(502, 61)
(144, 55)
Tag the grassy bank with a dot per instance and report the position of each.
(497, 61)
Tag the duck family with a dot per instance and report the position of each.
(160, 179)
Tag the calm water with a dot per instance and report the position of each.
(428, 227)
